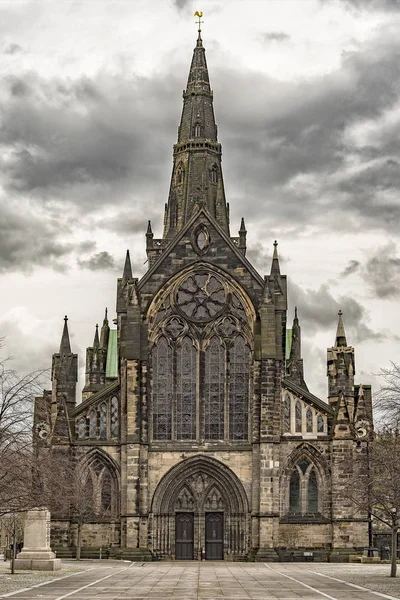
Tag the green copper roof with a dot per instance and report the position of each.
(112, 356)
(288, 343)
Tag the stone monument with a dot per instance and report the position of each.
(36, 554)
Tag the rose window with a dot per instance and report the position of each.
(201, 297)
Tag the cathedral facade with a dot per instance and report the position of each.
(197, 433)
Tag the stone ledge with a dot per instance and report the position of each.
(27, 564)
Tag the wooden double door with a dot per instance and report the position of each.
(213, 535)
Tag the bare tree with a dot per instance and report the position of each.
(376, 488)
(17, 396)
(387, 399)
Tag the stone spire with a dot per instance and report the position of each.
(340, 332)
(127, 268)
(65, 345)
(96, 341)
(105, 332)
(295, 368)
(275, 269)
(196, 174)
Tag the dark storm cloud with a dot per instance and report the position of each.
(275, 36)
(318, 310)
(77, 139)
(290, 146)
(351, 268)
(98, 262)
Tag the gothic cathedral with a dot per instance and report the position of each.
(196, 432)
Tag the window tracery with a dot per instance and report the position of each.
(200, 356)
(303, 489)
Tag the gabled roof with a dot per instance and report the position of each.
(175, 241)
(302, 393)
(111, 387)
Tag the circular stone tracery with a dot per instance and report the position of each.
(201, 297)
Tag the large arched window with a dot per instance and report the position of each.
(239, 389)
(200, 359)
(303, 488)
(162, 389)
(186, 373)
(214, 390)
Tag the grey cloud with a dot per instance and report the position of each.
(98, 262)
(318, 310)
(370, 5)
(13, 49)
(181, 4)
(351, 268)
(382, 272)
(276, 36)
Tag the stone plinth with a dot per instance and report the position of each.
(36, 554)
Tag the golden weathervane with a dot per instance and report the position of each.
(199, 14)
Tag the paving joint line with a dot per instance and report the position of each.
(358, 587)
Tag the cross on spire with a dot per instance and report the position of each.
(199, 14)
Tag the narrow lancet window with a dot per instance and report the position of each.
(103, 422)
(114, 419)
(294, 493)
(239, 390)
(93, 424)
(214, 390)
(320, 424)
(286, 416)
(309, 420)
(186, 370)
(162, 390)
(312, 507)
(298, 417)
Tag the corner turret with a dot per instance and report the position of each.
(341, 368)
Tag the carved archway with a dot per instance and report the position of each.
(199, 485)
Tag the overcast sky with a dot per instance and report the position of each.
(306, 97)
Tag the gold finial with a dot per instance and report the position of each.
(199, 14)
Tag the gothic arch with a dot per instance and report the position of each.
(200, 484)
(189, 469)
(97, 468)
(308, 462)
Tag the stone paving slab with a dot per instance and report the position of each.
(212, 581)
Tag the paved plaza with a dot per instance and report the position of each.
(206, 581)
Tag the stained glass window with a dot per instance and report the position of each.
(81, 428)
(162, 389)
(239, 390)
(320, 424)
(114, 420)
(186, 372)
(103, 421)
(214, 390)
(93, 424)
(294, 493)
(298, 417)
(312, 493)
(286, 416)
(309, 420)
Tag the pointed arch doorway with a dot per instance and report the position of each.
(199, 508)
